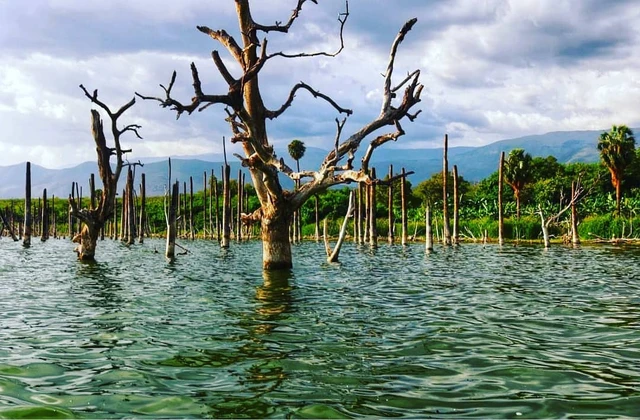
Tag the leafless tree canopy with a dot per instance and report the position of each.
(247, 114)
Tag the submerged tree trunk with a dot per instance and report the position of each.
(44, 217)
(428, 231)
(456, 202)
(276, 247)
(575, 238)
(500, 215)
(26, 238)
(373, 228)
(446, 233)
(170, 250)
(318, 218)
(226, 207)
(143, 207)
(390, 235)
(403, 209)
(332, 256)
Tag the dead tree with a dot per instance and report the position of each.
(26, 237)
(456, 203)
(446, 233)
(373, 228)
(578, 192)
(94, 218)
(44, 217)
(170, 250)
(239, 207)
(428, 231)
(403, 201)
(143, 207)
(191, 227)
(226, 205)
(575, 238)
(332, 256)
(247, 115)
(500, 211)
(390, 235)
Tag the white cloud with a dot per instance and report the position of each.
(493, 69)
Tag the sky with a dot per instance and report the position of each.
(491, 70)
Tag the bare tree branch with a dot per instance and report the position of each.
(278, 27)
(225, 39)
(342, 18)
(275, 114)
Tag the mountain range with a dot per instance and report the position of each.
(474, 164)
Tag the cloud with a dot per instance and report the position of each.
(492, 70)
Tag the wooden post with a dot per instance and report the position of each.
(500, 215)
(456, 202)
(575, 238)
(403, 199)
(123, 223)
(373, 229)
(184, 209)
(171, 225)
(446, 234)
(390, 236)
(428, 231)
(79, 195)
(132, 209)
(71, 218)
(365, 215)
(26, 238)
(115, 219)
(45, 225)
(53, 216)
(143, 207)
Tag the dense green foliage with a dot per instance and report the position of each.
(542, 183)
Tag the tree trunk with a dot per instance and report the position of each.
(446, 233)
(131, 210)
(276, 247)
(191, 233)
(373, 229)
(26, 239)
(92, 191)
(545, 230)
(170, 251)
(428, 231)
(500, 216)
(143, 207)
(456, 213)
(403, 199)
(575, 238)
(45, 220)
(217, 198)
(53, 217)
(391, 222)
(332, 256)
(239, 211)
(618, 185)
(204, 205)
(226, 207)
(318, 219)
(516, 192)
(87, 239)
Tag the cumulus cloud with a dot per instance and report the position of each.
(492, 70)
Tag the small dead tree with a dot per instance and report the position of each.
(94, 218)
(247, 115)
(332, 256)
(578, 192)
(26, 237)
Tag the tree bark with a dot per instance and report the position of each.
(276, 247)
(318, 219)
(332, 256)
(500, 215)
(446, 233)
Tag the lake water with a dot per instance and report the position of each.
(474, 331)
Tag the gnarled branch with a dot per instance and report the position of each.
(275, 114)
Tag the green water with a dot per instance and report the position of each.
(513, 332)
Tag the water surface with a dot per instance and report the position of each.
(473, 331)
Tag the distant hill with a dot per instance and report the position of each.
(474, 164)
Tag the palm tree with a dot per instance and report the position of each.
(296, 151)
(617, 150)
(517, 173)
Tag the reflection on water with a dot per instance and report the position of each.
(481, 331)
